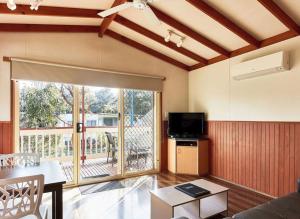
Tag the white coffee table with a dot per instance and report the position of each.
(169, 202)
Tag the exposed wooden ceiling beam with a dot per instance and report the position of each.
(272, 7)
(76, 12)
(108, 20)
(220, 18)
(9, 27)
(4, 27)
(133, 26)
(91, 13)
(266, 42)
(189, 32)
(50, 11)
(145, 49)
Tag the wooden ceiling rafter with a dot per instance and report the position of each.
(139, 29)
(273, 8)
(50, 11)
(109, 19)
(9, 27)
(284, 18)
(12, 27)
(145, 49)
(224, 21)
(189, 32)
(266, 42)
(92, 13)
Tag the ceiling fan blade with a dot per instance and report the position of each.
(152, 15)
(115, 9)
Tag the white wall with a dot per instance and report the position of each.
(91, 51)
(269, 98)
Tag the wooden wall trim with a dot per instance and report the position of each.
(263, 156)
(6, 137)
(164, 147)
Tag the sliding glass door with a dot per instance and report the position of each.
(95, 133)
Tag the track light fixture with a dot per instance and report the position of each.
(34, 4)
(11, 5)
(172, 33)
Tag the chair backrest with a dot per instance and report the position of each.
(20, 197)
(19, 159)
(110, 138)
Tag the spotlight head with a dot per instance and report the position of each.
(180, 42)
(11, 5)
(34, 4)
(168, 37)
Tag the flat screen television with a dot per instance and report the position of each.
(186, 125)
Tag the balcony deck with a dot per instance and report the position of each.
(57, 144)
(91, 168)
(97, 168)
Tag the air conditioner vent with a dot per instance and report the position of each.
(265, 65)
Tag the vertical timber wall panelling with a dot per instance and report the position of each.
(264, 156)
(5, 137)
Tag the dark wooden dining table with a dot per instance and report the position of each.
(54, 181)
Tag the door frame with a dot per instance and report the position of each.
(121, 154)
(76, 137)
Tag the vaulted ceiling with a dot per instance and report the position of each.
(214, 30)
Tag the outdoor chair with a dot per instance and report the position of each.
(136, 151)
(21, 197)
(19, 159)
(112, 147)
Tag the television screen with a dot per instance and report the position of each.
(186, 125)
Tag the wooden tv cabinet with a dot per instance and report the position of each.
(188, 156)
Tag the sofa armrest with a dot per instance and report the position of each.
(298, 183)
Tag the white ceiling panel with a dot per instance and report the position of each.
(291, 7)
(251, 16)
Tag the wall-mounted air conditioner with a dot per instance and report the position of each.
(269, 64)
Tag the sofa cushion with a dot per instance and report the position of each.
(287, 207)
(257, 213)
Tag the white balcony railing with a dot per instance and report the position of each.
(57, 143)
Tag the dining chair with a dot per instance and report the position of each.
(19, 159)
(21, 198)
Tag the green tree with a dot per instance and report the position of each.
(45, 104)
(41, 106)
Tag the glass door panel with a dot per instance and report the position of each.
(139, 126)
(99, 148)
(45, 116)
